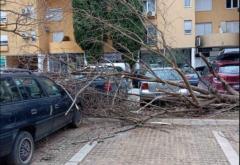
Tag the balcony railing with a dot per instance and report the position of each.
(220, 40)
(65, 47)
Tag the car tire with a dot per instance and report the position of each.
(77, 118)
(22, 151)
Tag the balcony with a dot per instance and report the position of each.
(4, 48)
(64, 47)
(220, 40)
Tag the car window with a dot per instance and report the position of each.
(29, 88)
(230, 69)
(51, 87)
(205, 71)
(8, 91)
(165, 74)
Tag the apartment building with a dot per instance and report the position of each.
(39, 35)
(217, 27)
(190, 27)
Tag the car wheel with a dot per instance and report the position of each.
(22, 151)
(77, 118)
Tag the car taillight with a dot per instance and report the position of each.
(144, 86)
(107, 87)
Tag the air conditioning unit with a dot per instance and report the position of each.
(223, 27)
(151, 13)
(26, 11)
(3, 22)
(198, 41)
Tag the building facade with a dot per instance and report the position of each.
(190, 27)
(39, 35)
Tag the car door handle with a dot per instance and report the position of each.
(56, 106)
(34, 111)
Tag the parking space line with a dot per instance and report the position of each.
(82, 153)
(227, 148)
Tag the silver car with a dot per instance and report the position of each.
(150, 90)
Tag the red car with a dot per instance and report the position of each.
(227, 69)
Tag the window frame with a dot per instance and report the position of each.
(227, 23)
(186, 33)
(147, 6)
(52, 14)
(3, 14)
(5, 41)
(43, 83)
(190, 5)
(10, 79)
(203, 23)
(29, 97)
(203, 10)
(4, 59)
(238, 4)
(151, 36)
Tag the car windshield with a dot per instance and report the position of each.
(165, 74)
(230, 69)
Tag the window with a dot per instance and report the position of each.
(149, 6)
(8, 91)
(229, 69)
(33, 36)
(3, 61)
(151, 35)
(57, 36)
(51, 87)
(3, 18)
(187, 3)
(29, 88)
(187, 26)
(54, 14)
(28, 12)
(203, 5)
(232, 27)
(58, 63)
(3, 40)
(203, 28)
(232, 4)
(63, 63)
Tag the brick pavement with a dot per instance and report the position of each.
(186, 142)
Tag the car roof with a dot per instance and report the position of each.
(228, 55)
(4, 75)
(165, 68)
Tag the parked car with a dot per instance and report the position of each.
(139, 73)
(124, 66)
(107, 84)
(31, 108)
(191, 76)
(149, 89)
(227, 69)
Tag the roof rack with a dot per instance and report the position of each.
(15, 70)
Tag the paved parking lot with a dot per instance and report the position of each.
(183, 142)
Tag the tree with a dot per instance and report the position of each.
(91, 34)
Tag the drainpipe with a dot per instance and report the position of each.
(193, 57)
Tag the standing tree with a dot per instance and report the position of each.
(91, 34)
